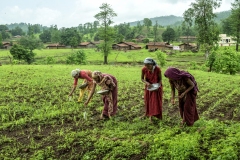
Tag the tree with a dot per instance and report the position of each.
(45, 36)
(201, 12)
(106, 33)
(55, 34)
(17, 31)
(168, 35)
(70, 36)
(30, 43)
(147, 22)
(3, 28)
(5, 35)
(20, 53)
(1, 41)
(232, 24)
(188, 21)
(155, 28)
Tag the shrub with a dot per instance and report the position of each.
(161, 56)
(227, 61)
(78, 57)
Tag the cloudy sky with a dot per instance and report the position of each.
(71, 13)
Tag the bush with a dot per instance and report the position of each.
(78, 57)
(227, 61)
(20, 53)
(161, 56)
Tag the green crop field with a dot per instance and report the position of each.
(38, 121)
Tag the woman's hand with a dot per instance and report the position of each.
(148, 84)
(182, 95)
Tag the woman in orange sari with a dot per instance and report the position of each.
(187, 88)
(151, 74)
(82, 74)
(106, 82)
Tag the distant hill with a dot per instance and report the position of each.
(176, 20)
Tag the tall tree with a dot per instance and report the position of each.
(147, 22)
(188, 21)
(1, 41)
(202, 13)
(106, 33)
(45, 36)
(70, 36)
(30, 43)
(232, 23)
(155, 28)
(17, 31)
(168, 35)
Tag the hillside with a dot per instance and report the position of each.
(176, 20)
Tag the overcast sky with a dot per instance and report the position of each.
(71, 13)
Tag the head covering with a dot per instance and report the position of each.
(75, 72)
(96, 74)
(176, 74)
(149, 60)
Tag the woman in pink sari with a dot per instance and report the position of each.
(107, 82)
(151, 74)
(187, 88)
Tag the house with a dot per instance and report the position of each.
(126, 46)
(151, 46)
(6, 45)
(120, 46)
(87, 45)
(17, 36)
(187, 46)
(186, 39)
(226, 40)
(55, 46)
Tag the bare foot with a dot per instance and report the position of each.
(150, 119)
(143, 116)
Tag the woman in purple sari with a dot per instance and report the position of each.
(187, 88)
(107, 82)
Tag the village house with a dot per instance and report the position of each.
(6, 45)
(226, 40)
(187, 46)
(88, 45)
(55, 46)
(126, 46)
(152, 46)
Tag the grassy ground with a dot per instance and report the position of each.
(39, 122)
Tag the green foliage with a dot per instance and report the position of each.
(17, 31)
(46, 125)
(168, 35)
(161, 56)
(202, 13)
(78, 57)
(30, 43)
(45, 36)
(1, 41)
(70, 36)
(106, 33)
(49, 60)
(20, 53)
(227, 61)
(145, 40)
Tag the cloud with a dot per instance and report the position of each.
(75, 12)
(44, 16)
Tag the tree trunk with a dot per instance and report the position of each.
(105, 60)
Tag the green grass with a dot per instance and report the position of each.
(39, 122)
